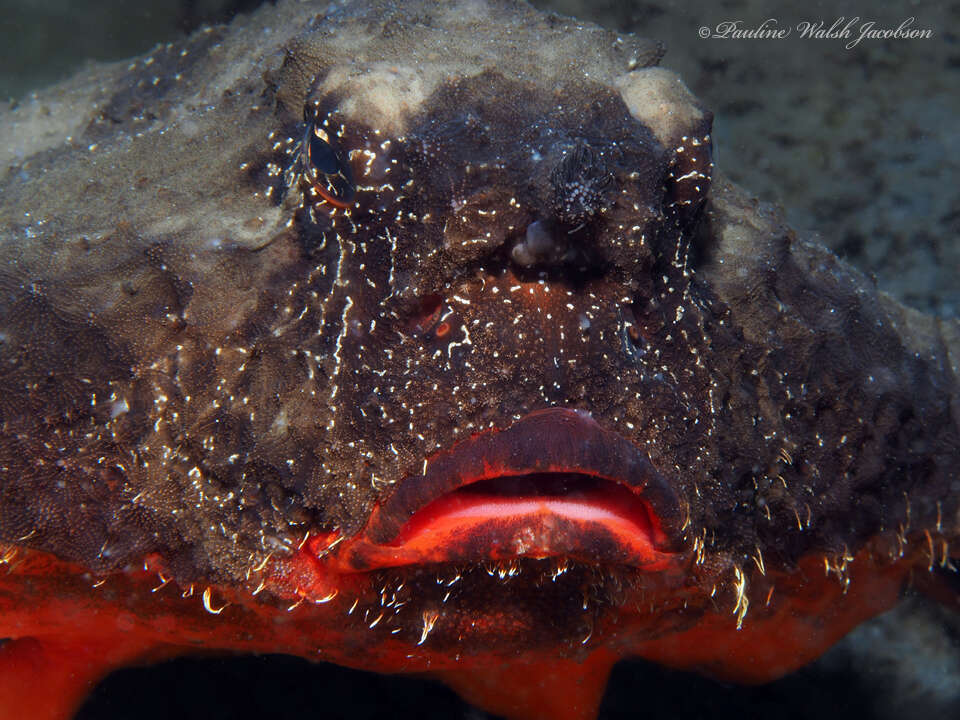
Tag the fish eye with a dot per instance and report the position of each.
(326, 169)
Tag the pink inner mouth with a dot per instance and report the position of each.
(538, 516)
(576, 497)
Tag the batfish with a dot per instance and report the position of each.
(426, 338)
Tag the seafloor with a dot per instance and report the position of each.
(860, 145)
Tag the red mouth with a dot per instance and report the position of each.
(553, 484)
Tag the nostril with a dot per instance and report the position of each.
(538, 246)
(427, 314)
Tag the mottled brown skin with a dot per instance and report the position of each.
(202, 362)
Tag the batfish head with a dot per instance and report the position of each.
(463, 343)
(499, 397)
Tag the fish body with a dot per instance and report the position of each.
(428, 338)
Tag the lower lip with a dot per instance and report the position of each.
(607, 525)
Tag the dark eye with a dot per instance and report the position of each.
(326, 169)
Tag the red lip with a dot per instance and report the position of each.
(553, 484)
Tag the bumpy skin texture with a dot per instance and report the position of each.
(205, 358)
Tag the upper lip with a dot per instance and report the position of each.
(545, 443)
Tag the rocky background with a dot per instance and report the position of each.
(859, 145)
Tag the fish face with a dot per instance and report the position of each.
(473, 282)
(506, 284)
